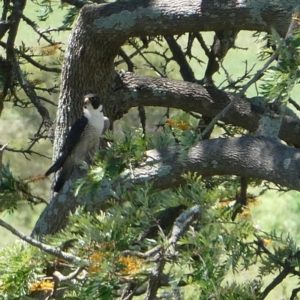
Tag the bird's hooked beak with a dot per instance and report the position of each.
(86, 102)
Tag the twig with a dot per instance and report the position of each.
(135, 253)
(155, 273)
(127, 59)
(27, 151)
(3, 147)
(167, 59)
(36, 29)
(50, 90)
(294, 293)
(135, 53)
(189, 46)
(60, 277)
(46, 248)
(295, 104)
(277, 280)
(202, 43)
(47, 100)
(240, 93)
(241, 197)
(233, 84)
(147, 61)
(178, 56)
(76, 3)
(41, 200)
(61, 28)
(38, 65)
(32, 61)
(5, 9)
(142, 115)
(180, 225)
(30, 92)
(182, 222)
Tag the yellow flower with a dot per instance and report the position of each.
(170, 122)
(96, 258)
(130, 264)
(41, 285)
(267, 241)
(182, 125)
(245, 212)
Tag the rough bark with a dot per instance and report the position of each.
(248, 156)
(101, 29)
(88, 67)
(131, 90)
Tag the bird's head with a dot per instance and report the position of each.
(92, 101)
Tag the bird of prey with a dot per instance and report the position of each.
(82, 142)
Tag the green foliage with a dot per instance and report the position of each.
(123, 152)
(70, 16)
(279, 80)
(12, 190)
(19, 265)
(107, 242)
(212, 244)
(45, 9)
(127, 151)
(111, 243)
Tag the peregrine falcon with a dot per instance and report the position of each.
(82, 141)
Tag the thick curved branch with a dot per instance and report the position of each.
(131, 90)
(133, 18)
(100, 30)
(250, 156)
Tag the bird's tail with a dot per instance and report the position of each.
(63, 176)
(57, 165)
(60, 181)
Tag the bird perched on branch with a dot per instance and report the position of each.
(82, 141)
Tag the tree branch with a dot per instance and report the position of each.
(250, 156)
(48, 249)
(239, 94)
(30, 92)
(38, 65)
(182, 222)
(131, 90)
(182, 16)
(37, 29)
(18, 6)
(185, 70)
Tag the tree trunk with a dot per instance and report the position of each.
(88, 68)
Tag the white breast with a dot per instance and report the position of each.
(96, 120)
